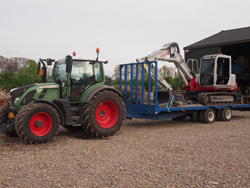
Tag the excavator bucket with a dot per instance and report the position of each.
(164, 96)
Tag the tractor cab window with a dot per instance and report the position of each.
(207, 72)
(84, 74)
(222, 71)
(59, 71)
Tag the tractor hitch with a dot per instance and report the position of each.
(9, 127)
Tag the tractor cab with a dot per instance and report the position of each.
(76, 75)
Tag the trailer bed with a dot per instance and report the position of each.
(132, 77)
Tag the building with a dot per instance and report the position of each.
(236, 43)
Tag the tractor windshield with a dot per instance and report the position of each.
(83, 75)
(86, 70)
(207, 72)
(82, 71)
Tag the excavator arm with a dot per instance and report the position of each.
(171, 53)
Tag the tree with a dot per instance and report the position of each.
(116, 71)
(24, 76)
(176, 83)
(13, 64)
(167, 71)
(8, 80)
(164, 71)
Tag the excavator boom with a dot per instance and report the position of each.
(170, 52)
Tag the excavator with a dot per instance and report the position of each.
(214, 82)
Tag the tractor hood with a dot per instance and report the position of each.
(25, 94)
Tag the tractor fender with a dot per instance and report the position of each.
(99, 88)
(56, 107)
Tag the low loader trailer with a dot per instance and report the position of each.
(80, 98)
(145, 103)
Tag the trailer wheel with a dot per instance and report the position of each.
(37, 123)
(226, 114)
(218, 115)
(201, 116)
(104, 114)
(209, 115)
(4, 119)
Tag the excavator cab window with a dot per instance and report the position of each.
(207, 72)
(222, 71)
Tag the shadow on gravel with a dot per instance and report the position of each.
(15, 143)
(159, 123)
(78, 134)
(238, 117)
(9, 141)
(11, 144)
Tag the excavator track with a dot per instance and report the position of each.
(211, 98)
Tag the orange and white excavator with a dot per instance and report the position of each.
(214, 82)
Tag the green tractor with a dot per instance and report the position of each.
(77, 98)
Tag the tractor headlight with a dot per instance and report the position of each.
(16, 100)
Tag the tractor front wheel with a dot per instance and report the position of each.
(104, 114)
(37, 123)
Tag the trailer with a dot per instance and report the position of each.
(147, 102)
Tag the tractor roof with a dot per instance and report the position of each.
(85, 59)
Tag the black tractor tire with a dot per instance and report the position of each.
(4, 119)
(104, 115)
(37, 123)
(226, 114)
(209, 115)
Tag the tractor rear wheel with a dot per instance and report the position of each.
(104, 114)
(37, 123)
(4, 119)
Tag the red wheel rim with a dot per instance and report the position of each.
(40, 124)
(106, 114)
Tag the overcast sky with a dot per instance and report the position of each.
(123, 29)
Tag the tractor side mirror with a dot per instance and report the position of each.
(38, 67)
(68, 64)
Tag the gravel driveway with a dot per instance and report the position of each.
(143, 153)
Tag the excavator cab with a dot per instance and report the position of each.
(215, 73)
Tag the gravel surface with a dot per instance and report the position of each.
(143, 153)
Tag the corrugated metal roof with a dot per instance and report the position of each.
(223, 37)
